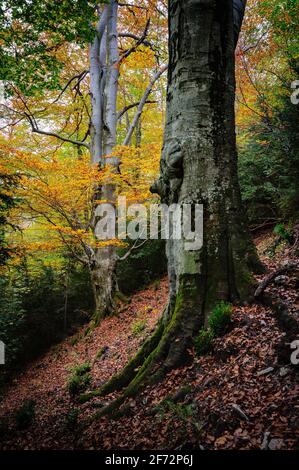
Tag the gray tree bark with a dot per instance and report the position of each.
(104, 73)
(199, 165)
(96, 68)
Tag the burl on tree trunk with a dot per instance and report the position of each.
(198, 165)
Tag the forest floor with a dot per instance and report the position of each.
(243, 395)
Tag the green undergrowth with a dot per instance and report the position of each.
(138, 327)
(80, 379)
(218, 324)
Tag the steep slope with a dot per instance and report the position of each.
(243, 395)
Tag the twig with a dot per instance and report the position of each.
(138, 42)
(36, 129)
(133, 105)
(133, 247)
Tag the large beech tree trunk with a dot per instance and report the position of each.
(198, 165)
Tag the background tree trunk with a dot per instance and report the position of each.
(104, 60)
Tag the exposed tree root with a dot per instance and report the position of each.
(165, 349)
(130, 371)
(265, 282)
(133, 377)
(286, 321)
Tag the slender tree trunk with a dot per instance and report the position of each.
(198, 165)
(104, 81)
(96, 101)
(138, 133)
(97, 70)
(104, 75)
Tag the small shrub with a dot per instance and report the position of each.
(179, 410)
(80, 379)
(25, 414)
(185, 413)
(283, 233)
(71, 421)
(138, 327)
(220, 318)
(78, 384)
(101, 352)
(203, 342)
(81, 369)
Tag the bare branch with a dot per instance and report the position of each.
(136, 38)
(142, 103)
(36, 129)
(138, 42)
(64, 139)
(133, 248)
(79, 78)
(133, 105)
(254, 46)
